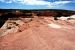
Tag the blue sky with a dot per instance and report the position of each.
(38, 4)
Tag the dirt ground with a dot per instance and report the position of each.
(41, 34)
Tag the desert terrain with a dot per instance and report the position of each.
(39, 34)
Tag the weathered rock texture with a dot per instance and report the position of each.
(40, 34)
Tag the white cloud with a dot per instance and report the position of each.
(28, 2)
(62, 2)
(37, 2)
(58, 3)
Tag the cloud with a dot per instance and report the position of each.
(28, 2)
(62, 2)
(57, 3)
(37, 2)
(34, 2)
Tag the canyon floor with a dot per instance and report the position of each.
(40, 34)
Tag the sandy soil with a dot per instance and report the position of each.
(41, 35)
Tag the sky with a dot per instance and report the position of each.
(38, 4)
